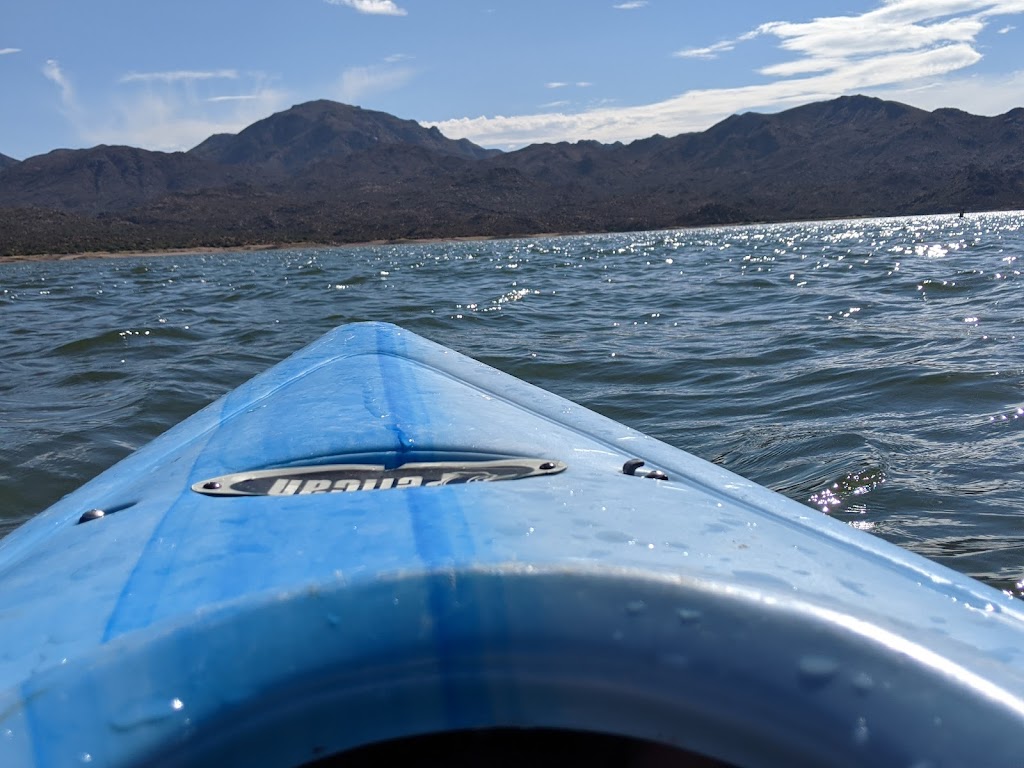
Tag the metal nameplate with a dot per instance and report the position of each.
(346, 478)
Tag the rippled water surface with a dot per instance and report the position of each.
(872, 369)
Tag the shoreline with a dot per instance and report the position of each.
(279, 246)
(255, 248)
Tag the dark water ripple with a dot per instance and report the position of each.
(871, 369)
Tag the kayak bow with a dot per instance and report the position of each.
(380, 539)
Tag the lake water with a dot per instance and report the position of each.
(872, 369)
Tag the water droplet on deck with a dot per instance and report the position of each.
(863, 682)
(817, 671)
(688, 615)
(636, 607)
(861, 734)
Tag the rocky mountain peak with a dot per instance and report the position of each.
(322, 130)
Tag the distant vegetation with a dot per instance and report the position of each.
(331, 173)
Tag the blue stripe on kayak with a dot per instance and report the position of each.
(440, 530)
(442, 535)
(29, 694)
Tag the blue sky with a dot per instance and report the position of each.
(502, 73)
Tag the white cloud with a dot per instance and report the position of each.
(977, 94)
(358, 82)
(377, 7)
(842, 37)
(174, 111)
(630, 6)
(52, 71)
(178, 109)
(179, 76)
(5, 51)
(710, 52)
(1007, 28)
(173, 119)
(898, 48)
(239, 97)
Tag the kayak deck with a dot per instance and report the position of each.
(699, 611)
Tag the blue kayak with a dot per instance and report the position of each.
(381, 544)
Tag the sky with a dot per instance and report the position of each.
(501, 73)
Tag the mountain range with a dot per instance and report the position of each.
(333, 173)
